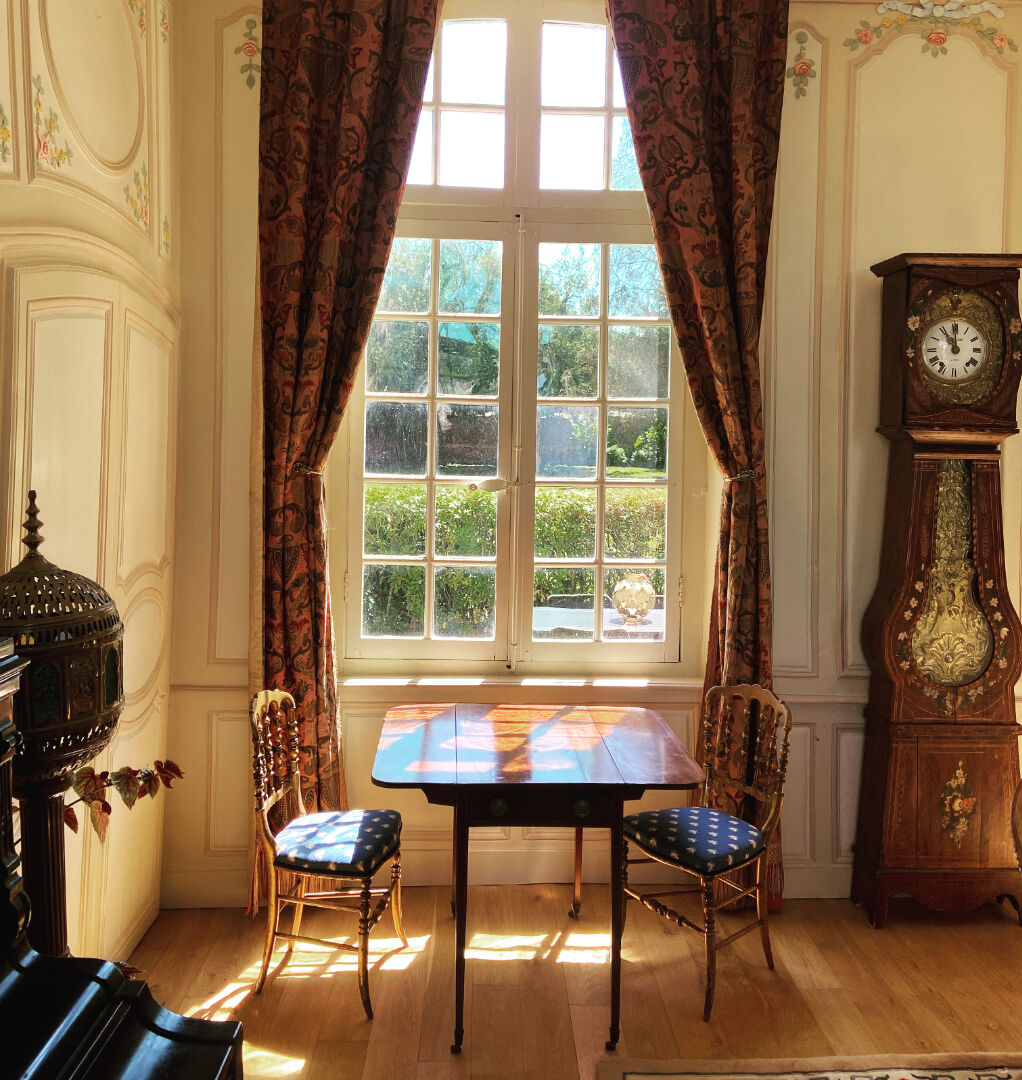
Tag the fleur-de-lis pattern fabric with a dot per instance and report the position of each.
(349, 843)
(342, 84)
(704, 84)
(699, 838)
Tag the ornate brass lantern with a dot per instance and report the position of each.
(68, 627)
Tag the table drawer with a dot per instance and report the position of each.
(531, 805)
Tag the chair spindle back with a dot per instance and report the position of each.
(275, 750)
(746, 731)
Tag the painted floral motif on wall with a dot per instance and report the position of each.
(957, 807)
(5, 136)
(802, 66)
(165, 236)
(136, 195)
(46, 131)
(164, 24)
(137, 8)
(934, 23)
(250, 48)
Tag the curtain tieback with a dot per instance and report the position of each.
(301, 469)
(745, 474)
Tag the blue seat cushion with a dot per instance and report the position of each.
(352, 843)
(695, 837)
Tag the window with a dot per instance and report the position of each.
(516, 457)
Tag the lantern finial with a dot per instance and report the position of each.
(33, 537)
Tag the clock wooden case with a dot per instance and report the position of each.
(941, 636)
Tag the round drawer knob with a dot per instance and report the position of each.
(581, 808)
(498, 807)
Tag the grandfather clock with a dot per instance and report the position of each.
(942, 639)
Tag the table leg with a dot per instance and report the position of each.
(460, 904)
(454, 862)
(576, 902)
(617, 911)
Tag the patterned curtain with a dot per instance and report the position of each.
(703, 81)
(342, 84)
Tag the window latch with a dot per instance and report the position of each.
(494, 483)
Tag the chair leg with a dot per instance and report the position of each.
(395, 899)
(762, 909)
(363, 946)
(296, 919)
(710, 939)
(272, 915)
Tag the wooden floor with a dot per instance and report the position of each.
(537, 988)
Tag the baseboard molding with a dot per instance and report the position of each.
(204, 888)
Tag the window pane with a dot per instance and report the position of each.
(635, 523)
(470, 277)
(629, 589)
(466, 438)
(571, 152)
(636, 286)
(393, 601)
(563, 605)
(566, 441)
(637, 361)
(397, 357)
(394, 519)
(465, 599)
(618, 99)
(395, 439)
(420, 171)
(471, 149)
(474, 62)
(624, 168)
(569, 279)
(406, 282)
(565, 523)
(465, 523)
(642, 435)
(574, 64)
(568, 361)
(468, 356)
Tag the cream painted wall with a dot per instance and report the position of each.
(89, 327)
(863, 174)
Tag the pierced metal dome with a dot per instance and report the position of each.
(68, 626)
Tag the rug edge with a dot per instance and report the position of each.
(609, 1069)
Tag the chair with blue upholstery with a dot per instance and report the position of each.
(745, 756)
(343, 849)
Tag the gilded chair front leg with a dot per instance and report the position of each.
(271, 926)
(363, 946)
(762, 908)
(296, 918)
(395, 898)
(710, 939)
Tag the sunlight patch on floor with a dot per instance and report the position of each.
(265, 1063)
(585, 949)
(505, 947)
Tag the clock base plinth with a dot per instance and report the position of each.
(953, 891)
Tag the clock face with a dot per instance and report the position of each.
(954, 349)
(960, 346)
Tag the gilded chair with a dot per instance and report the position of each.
(745, 756)
(305, 852)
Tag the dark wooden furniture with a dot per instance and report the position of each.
(539, 765)
(77, 1019)
(746, 731)
(941, 635)
(304, 852)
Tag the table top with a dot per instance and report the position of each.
(462, 743)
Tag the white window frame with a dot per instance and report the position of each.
(522, 215)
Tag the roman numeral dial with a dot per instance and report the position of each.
(954, 349)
